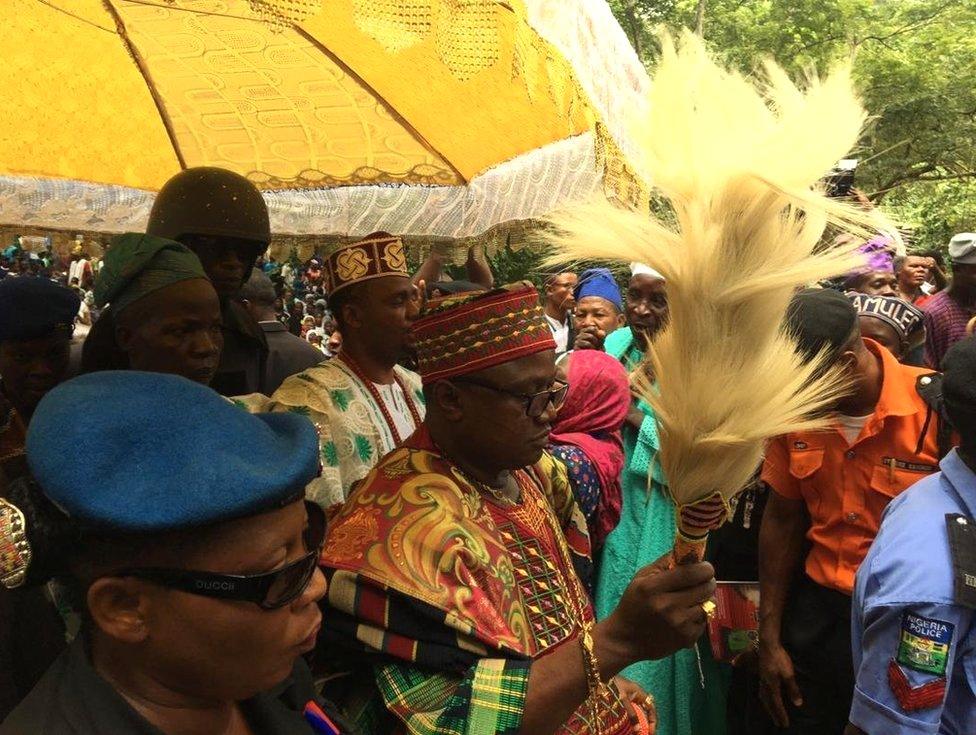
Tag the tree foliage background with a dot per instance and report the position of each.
(915, 67)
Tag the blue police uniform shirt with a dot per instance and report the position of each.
(914, 647)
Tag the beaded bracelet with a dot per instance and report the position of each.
(594, 681)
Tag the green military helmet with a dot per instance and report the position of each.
(206, 200)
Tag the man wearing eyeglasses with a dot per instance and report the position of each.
(458, 565)
(192, 566)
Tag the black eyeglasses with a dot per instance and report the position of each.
(270, 590)
(535, 403)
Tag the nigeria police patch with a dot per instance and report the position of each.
(924, 644)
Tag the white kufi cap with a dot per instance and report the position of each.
(638, 269)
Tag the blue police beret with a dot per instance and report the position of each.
(137, 452)
(33, 307)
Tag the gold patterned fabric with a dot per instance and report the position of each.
(287, 93)
(300, 94)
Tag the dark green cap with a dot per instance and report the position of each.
(136, 265)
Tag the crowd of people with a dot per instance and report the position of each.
(341, 497)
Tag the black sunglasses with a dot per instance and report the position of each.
(270, 590)
(535, 403)
(208, 247)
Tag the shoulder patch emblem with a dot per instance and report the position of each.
(924, 644)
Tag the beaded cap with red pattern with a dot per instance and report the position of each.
(466, 333)
(377, 255)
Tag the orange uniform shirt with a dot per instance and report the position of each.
(846, 487)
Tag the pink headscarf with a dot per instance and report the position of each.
(591, 418)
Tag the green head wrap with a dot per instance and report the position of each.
(137, 264)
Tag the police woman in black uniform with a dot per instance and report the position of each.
(177, 525)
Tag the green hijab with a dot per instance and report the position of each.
(137, 264)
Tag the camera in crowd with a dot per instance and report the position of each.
(840, 181)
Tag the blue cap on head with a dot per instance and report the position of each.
(32, 307)
(136, 452)
(599, 282)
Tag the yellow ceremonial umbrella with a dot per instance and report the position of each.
(428, 117)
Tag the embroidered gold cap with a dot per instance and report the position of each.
(377, 255)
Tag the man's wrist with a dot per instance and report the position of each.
(611, 649)
(769, 637)
(769, 633)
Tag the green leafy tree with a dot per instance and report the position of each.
(638, 18)
(914, 64)
(937, 211)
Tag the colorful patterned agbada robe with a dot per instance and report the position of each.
(454, 593)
